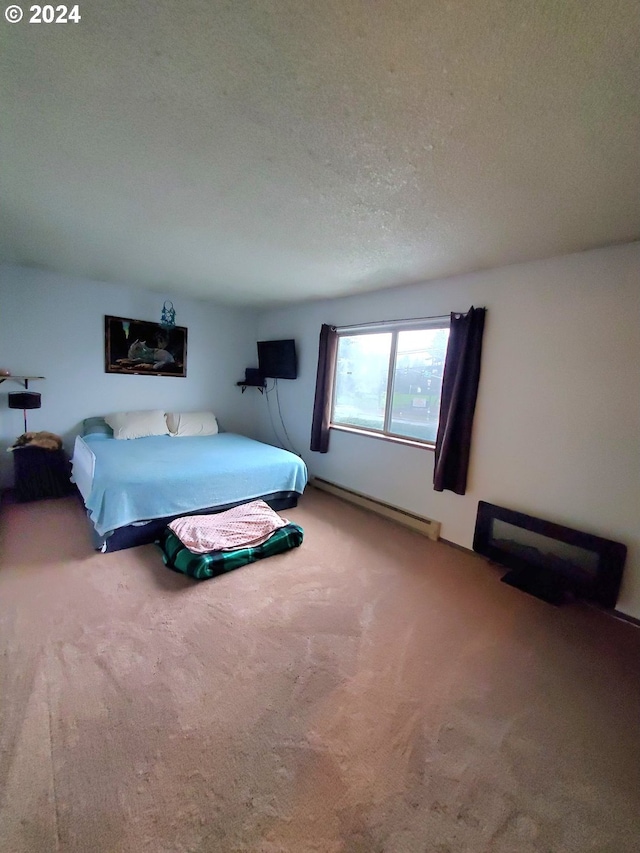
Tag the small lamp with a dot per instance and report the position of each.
(25, 400)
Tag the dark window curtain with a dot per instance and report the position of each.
(327, 355)
(458, 401)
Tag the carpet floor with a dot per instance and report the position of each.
(369, 692)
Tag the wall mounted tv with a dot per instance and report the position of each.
(277, 359)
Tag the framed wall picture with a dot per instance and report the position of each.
(144, 349)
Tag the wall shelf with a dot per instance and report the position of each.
(23, 380)
(244, 385)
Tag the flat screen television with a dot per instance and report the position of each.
(277, 359)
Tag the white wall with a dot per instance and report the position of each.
(53, 326)
(557, 427)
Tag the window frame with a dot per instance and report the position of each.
(394, 327)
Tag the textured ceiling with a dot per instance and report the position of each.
(254, 151)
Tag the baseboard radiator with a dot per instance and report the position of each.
(423, 525)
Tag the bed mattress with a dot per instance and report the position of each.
(127, 482)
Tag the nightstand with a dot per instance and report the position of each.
(41, 474)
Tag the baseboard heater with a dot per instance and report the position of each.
(423, 525)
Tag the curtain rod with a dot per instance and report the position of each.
(387, 323)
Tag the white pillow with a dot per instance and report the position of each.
(137, 424)
(192, 423)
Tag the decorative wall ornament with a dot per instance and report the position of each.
(168, 318)
(144, 349)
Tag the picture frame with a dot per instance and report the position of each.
(141, 348)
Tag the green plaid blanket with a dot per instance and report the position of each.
(203, 566)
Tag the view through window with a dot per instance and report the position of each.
(389, 380)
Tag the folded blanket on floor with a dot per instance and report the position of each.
(241, 526)
(203, 566)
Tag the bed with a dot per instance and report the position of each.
(132, 489)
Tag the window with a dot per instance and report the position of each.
(389, 378)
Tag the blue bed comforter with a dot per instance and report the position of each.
(161, 475)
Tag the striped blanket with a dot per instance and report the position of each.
(203, 566)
